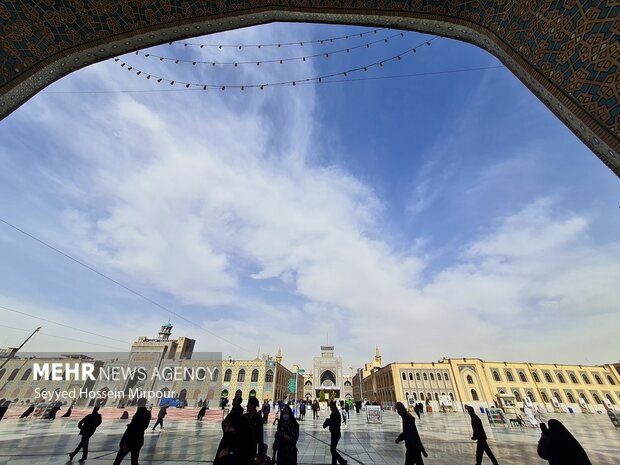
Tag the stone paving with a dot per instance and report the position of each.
(446, 437)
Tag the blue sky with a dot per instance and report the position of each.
(439, 215)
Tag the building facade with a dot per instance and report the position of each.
(455, 382)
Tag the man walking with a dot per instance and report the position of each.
(88, 426)
(334, 428)
(480, 436)
(266, 410)
(133, 438)
(163, 411)
(413, 443)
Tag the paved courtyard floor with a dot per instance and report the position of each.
(445, 436)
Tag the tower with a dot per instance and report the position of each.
(377, 355)
(279, 357)
(165, 331)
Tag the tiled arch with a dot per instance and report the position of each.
(567, 52)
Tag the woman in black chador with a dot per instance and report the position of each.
(285, 442)
(133, 439)
(559, 447)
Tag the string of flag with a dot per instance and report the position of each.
(316, 79)
(300, 43)
(276, 60)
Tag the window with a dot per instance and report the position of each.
(610, 399)
(474, 394)
(437, 397)
(522, 377)
(509, 376)
(530, 396)
(570, 397)
(517, 396)
(558, 396)
(26, 374)
(2, 372)
(561, 378)
(13, 374)
(452, 397)
(227, 375)
(598, 379)
(417, 376)
(596, 398)
(583, 396)
(543, 394)
(548, 377)
(254, 378)
(308, 383)
(432, 377)
(585, 378)
(438, 376)
(347, 384)
(425, 377)
(428, 396)
(573, 378)
(216, 373)
(410, 376)
(241, 376)
(404, 377)
(535, 376)
(445, 377)
(269, 376)
(496, 376)
(415, 397)
(609, 378)
(470, 380)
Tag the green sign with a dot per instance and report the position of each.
(291, 385)
(301, 372)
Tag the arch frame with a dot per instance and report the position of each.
(19, 81)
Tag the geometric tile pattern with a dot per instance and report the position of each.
(568, 49)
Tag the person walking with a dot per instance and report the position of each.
(163, 411)
(315, 408)
(266, 410)
(202, 412)
(333, 422)
(302, 410)
(255, 421)
(133, 438)
(480, 436)
(53, 411)
(413, 443)
(559, 447)
(27, 412)
(285, 441)
(87, 425)
(347, 407)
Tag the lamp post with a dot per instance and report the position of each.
(12, 354)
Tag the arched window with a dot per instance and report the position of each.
(417, 376)
(609, 378)
(428, 396)
(470, 379)
(517, 396)
(452, 397)
(445, 376)
(610, 399)
(573, 378)
(558, 396)
(404, 377)
(425, 377)
(569, 396)
(269, 376)
(410, 376)
(254, 378)
(407, 395)
(496, 376)
(241, 376)
(187, 373)
(543, 394)
(215, 375)
(438, 376)
(432, 377)
(26, 374)
(596, 398)
(347, 384)
(598, 379)
(308, 383)
(535, 376)
(227, 375)
(560, 378)
(13, 374)
(2, 372)
(437, 397)
(474, 394)
(522, 377)
(548, 377)
(583, 396)
(421, 396)
(530, 396)
(585, 378)
(509, 376)
(415, 397)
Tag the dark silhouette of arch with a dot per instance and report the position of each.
(568, 64)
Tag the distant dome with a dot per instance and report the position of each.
(167, 325)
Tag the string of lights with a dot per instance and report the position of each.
(139, 294)
(327, 54)
(331, 81)
(300, 43)
(317, 79)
